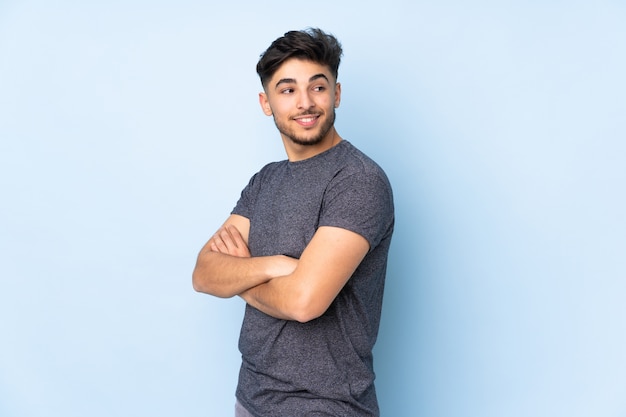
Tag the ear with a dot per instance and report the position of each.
(265, 104)
(337, 94)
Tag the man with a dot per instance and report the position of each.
(306, 248)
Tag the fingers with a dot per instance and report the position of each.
(229, 241)
(221, 242)
(217, 244)
(235, 236)
(239, 248)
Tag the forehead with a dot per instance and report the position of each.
(300, 70)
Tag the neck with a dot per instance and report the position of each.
(297, 152)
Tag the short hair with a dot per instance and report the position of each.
(309, 44)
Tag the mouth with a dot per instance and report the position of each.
(307, 120)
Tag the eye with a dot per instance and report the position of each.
(286, 91)
(319, 88)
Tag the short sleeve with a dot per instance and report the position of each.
(361, 202)
(247, 200)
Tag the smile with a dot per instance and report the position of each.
(307, 120)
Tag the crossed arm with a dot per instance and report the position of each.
(280, 286)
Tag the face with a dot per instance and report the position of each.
(302, 97)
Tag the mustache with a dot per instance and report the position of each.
(308, 113)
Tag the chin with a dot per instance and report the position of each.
(306, 142)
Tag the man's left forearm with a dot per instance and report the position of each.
(276, 298)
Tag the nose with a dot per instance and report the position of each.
(305, 101)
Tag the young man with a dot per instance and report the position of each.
(306, 248)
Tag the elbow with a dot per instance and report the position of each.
(197, 282)
(202, 285)
(305, 317)
(204, 280)
(208, 289)
(307, 308)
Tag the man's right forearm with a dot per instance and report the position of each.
(225, 275)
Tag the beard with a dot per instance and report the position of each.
(307, 141)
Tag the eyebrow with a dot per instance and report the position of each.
(293, 80)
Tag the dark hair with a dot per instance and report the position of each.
(309, 44)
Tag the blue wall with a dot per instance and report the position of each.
(127, 130)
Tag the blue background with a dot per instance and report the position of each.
(128, 130)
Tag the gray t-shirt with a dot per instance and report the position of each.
(323, 367)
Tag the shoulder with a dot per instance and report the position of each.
(359, 197)
(269, 171)
(273, 167)
(356, 163)
(358, 180)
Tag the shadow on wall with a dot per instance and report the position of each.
(400, 353)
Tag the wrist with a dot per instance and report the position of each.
(281, 265)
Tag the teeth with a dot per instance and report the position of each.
(307, 120)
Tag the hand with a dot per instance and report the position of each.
(283, 265)
(228, 240)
